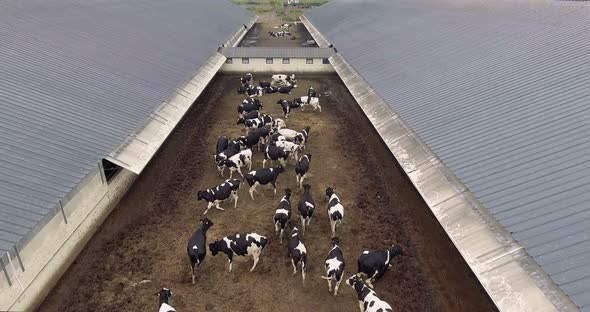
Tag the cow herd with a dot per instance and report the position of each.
(277, 143)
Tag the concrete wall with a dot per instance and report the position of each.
(259, 65)
(51, 251)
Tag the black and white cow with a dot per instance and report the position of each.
(301, 168)
(306, 206)
(335, 210)
(287, 89)
(368, 299)
(264, 84)
(268, 120)
(278, 124)
(246, 79)
(287, 106)
(255, 92)
(251, 124)
(246, 244)
(297, 252)
(297, 137)
(283, 79)
(290, 147)
(263, 176)
(197, 246)
(244, 88)
(314, 102)
(374, 263)
(251, 115)
(239, 160)
(275, 136)
(224, 191)
(271, 90)
(283, 214)
(273, 152)
(254, 138)
(164, 296)
(249, 105)
(220, 158)
(334, 265)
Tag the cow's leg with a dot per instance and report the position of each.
(193, 272)
(235, 197)
(371, 279)
(274, 185)
(302, 225)
(263, 162)
(309, 221)
(303, 269)
(281, 235)
(256, 256)
(294, 267)
(282, 161)
(209, 205)
(249, 166)
(231, 172)
(320, 107)
(217, 205)
(329, 284)
(251, 191)
(297, 181)
(239, 171)
(276, 228)
(361, 305)
(338, 284)
(230, 265)
(332, 226)
(303, 177)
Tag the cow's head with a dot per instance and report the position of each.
(281, 101)
(202, 195)
(336, 241)
(164, 295)
(395, 250)
(241, 120)
(356, 283)
(288, 192)
(280, 169)
(206, 224)
(306, 188)
(329, 192)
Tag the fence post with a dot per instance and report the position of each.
(63, 213)
(5, 272)
(20, 261)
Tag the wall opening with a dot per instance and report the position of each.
(285, 60)
(245, 60)
(110, 169)
(308, 61)
(269, 60)
(229, 61)
(325, 61)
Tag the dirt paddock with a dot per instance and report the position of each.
(146, 235)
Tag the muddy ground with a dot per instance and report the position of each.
(258, 36)
(145, 237)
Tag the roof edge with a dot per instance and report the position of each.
(320, 40)
(512, 279)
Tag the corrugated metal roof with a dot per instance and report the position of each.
(499, 90)
(277, 52)
(77, 78)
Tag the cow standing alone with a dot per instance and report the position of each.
(197, 246)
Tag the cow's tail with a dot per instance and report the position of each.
(326, 277)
